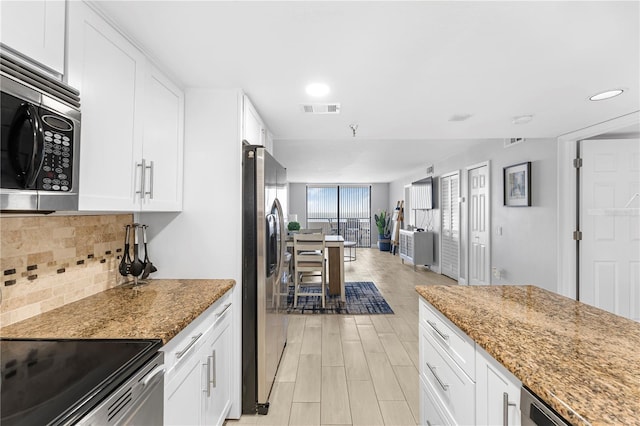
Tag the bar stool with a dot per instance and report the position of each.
(351, 256)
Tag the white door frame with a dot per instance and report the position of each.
(567, 212)
(468, 215)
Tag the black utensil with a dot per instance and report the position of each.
(136, 266)
(125, 263)
(148, 266)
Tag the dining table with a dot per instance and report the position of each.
(335, 259)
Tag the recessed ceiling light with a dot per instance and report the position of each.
(522, 119)
(606, 95)
(317, 89)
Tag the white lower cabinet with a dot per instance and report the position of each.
(198, 381)
(217, 381)
(497, 392)
(460, 383)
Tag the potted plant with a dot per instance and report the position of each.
(293, 227)
(384, 234)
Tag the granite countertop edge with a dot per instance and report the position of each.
(157, 310)
(554, 345)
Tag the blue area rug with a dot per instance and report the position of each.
(362, 297)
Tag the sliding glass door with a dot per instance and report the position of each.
(341, 210)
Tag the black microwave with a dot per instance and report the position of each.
(40, 140)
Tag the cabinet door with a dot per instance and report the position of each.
(163, 144)
(109, 73)
(217, 361)
(253, 130)
(183, 395)
(36, 30)
(497, 392)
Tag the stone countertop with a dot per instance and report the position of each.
(157, 310)
(582, 361)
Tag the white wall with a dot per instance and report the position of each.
(205, 240)
(379, 201)
(526, 250)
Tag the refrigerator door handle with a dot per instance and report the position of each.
(283, 238)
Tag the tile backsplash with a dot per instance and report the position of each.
(49, 261)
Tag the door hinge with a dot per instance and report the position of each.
(577, 163)
(577, 235)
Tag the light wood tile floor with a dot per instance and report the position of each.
(354, 369)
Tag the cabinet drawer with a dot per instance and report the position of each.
(459, 346)
(449, 384)
(432, 413)
(192, 337)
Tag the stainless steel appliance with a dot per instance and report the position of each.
(84, 381)
(534, 412)
(264, 292)
(40, 134)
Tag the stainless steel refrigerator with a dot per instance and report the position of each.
(264, 292)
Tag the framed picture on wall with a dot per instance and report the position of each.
(517, 185)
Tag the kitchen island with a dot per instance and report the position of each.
(580, 360)
(159, 309)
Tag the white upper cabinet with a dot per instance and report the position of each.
(132, 121)
(253, 129)
(108, 71)
(35, 29)
(163, 144)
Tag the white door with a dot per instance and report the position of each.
(479, 250)
(610, 225)
(450, 188)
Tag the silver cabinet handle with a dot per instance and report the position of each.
(143, 167)
(428, 423)
(193, 341)
(505, 408)
(437, 330)
(215, 369)
(226, 307)
(151, 170)
(208, 367)
(211, 378)
(442, 384)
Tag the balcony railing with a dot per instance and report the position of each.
(351, 229)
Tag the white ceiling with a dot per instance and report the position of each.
(399, 70)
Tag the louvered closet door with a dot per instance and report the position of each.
(450, 188)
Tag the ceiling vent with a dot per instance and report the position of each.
(459, 117)
(321, 108)
(512, 141)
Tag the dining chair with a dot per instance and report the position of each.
(309, 266)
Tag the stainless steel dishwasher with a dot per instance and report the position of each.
(534, 412)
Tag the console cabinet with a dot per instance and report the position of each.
(460, 383)
(416, 247)
(197, 389)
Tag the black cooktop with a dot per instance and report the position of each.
(57, 381)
